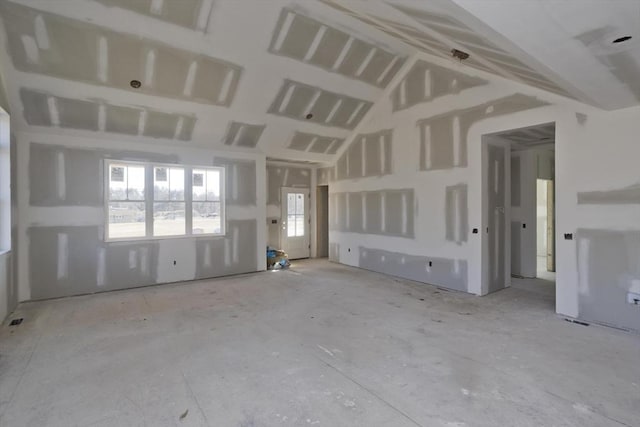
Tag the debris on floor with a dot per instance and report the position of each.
(184, 415)
(277, 259)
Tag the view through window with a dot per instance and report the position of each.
(146, 201)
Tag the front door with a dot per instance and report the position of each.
(295, 222)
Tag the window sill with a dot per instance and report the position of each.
(156, 238)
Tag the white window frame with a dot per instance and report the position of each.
(149, 199)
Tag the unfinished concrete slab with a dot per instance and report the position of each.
(81, 51)
(306, 39)
(303, 102)
(183, 353)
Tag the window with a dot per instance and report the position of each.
(207, 218)
(159, 201)
(295, 214)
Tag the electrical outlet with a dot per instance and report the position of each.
(633, 298)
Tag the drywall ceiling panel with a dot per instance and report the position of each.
(44, 43)
(243, 134)
(313, 143)
(306, 39)
(122, 119)
(464, 36)
(297, 101)
(425, 82)
(43, 109)
(186, 13)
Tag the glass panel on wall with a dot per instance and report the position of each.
(169, 217)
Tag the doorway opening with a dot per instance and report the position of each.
(519, 209)
(545, 230)
(295, 222)
(322, 221)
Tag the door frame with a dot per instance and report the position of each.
(284, 218)
(495, 141)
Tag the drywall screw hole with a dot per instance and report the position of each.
(135, 84)
(309, 116)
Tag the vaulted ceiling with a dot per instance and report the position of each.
(289, 78)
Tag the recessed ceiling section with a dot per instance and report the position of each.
(531, 137)
(44, 43)
(192, 14)
(425, 82)
(312, 143)
(43, 109)
(305, 39)
(312, 104)
(243, 134)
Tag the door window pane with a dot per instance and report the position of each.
(295, 215)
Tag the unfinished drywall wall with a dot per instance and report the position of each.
(383, 212)
(45, 43)
(603, 227)
(443, 138)
(448, 273)
(325, 175)
(4, 101)
(456, 213)
(281, 175)
(436, 162)
(63, 248)
(8, 219)
(303, 38)
(609, 276)
(596, 213)
(369, 155)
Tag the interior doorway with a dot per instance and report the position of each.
(545, 230)
(519, 209)
(295, 222)
(322, 221)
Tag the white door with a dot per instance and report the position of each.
(295, 222)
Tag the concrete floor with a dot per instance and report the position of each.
(321, 344)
